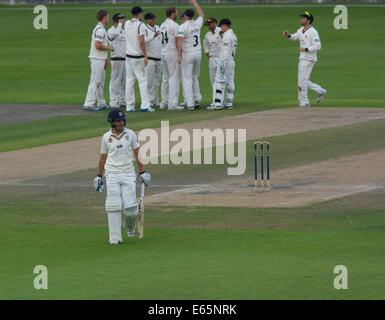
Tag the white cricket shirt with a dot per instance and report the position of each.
(212, 43)
(119, 151)
(98, 34)
(228, 45)
(169, 30)
(307, 38)
(153, 44)
(117, 40)
(190, 31)
(133, 29)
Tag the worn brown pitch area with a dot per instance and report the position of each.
(82, 154)
(292, 187)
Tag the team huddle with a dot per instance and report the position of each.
(161, 59)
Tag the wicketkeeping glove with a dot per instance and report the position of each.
(99, 184)
(145, 178)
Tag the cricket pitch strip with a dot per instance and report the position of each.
(291, 187)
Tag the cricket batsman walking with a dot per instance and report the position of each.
(309, 44)
(119, 148)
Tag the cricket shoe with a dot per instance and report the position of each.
(163, 106)
(90, 108)
(321, 96)
(175, 108)
(192, 108)
(229, 107)
(211, 107)
(304, 105)
(197, 104)
(219, 108)
(130, 110)
(103, 107)
(114, 242)
(131, 234)
(149, 109)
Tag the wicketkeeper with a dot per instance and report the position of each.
(224, 86)
(119, 149)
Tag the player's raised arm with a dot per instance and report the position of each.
(197, 8)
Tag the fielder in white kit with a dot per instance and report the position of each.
(212, 46)
(170, 66)
(118, 62)
(153, 68)
(118, 149)
(224, 86)
(310, 43)
(98, 60)
(190, 55)
(136, 61)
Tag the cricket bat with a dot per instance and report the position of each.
(141, 213)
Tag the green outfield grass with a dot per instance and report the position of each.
(254, 253)
(51, 66)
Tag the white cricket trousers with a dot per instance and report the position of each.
(190, 68)
(95, 90)
(170, 80)
(117, 83)
(121, 193)
(213, 66)
(305, 68)
(154, 75)
(224, 87)
(135, 70)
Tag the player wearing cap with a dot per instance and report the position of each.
(117, 40)
(212, 46)
(153, 68)
(119, 148)
(98, 60)
(189, 55)
(224, 87)
(170, 67)
(309, 43)
(136, 61)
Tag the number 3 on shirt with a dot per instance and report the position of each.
(196, 40)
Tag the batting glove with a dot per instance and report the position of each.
(99, 184)
(145, 178)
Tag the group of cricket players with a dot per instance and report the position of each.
(161, 59)
(153, 55)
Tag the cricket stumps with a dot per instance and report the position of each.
(262, 156)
